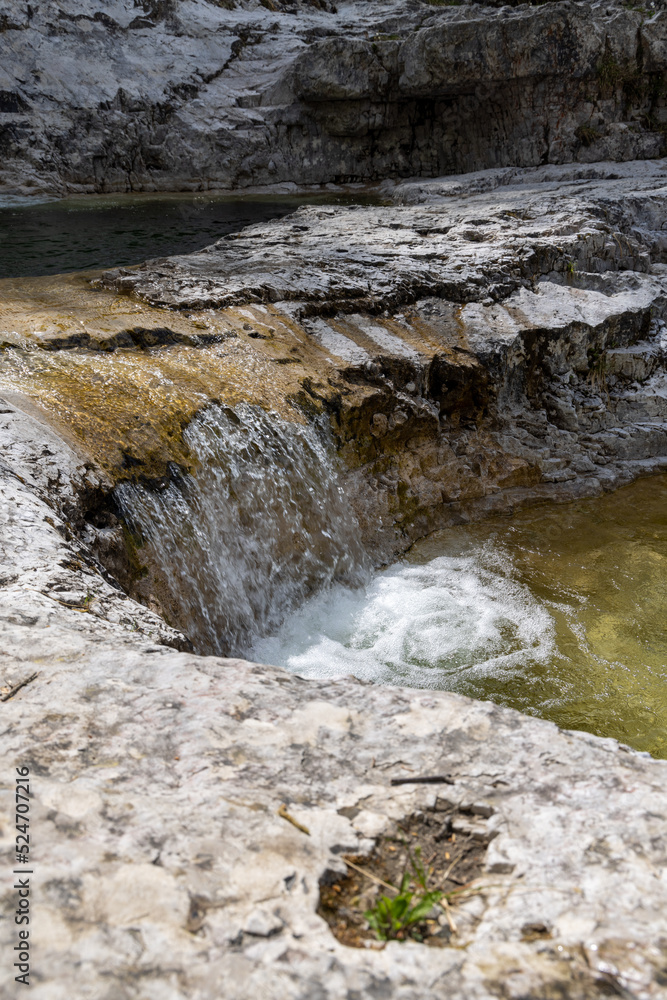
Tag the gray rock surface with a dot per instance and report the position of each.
(196, 94)
(499, 337)
(44, 564)
(162, 867)
(465, 238)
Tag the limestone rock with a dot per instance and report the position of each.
(197, 94)
(461, 238)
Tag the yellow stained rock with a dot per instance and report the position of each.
(123, 379)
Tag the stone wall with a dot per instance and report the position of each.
(196, 95)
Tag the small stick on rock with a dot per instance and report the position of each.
(428, 779)
(373, 878)
(17, 687)
(282, 812)
(444, 903)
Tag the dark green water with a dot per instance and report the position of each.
(87, 233)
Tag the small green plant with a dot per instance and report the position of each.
(398, 918)
(587, 135)
(571, 267)
(595, 356)
(609, 72)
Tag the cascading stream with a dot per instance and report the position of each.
(262, 525)
(558, 612)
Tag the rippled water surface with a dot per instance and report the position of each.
(97, 231)
(559, 612)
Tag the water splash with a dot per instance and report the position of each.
(260, 527)
(445, 624)
(558, 612)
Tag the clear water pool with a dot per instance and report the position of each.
(559, 612)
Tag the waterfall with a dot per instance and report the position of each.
(260, 526)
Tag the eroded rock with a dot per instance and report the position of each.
(196, 95)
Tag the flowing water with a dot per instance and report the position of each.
(559, 612)
(261, 527)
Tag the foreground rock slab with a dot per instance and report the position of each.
(164, 869)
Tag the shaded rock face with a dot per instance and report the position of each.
(187, 95)
(561, 83)
(498, 341)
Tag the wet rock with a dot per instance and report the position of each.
(535, 223)
(466, 377)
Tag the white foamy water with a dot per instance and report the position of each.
(259, 527)
(447, 623)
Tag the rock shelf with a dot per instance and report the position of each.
(481, 341)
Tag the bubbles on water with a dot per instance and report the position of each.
(441, 624)
(557, 612)
(261, 526)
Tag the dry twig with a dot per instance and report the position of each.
(17, 687)
(282, 812)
